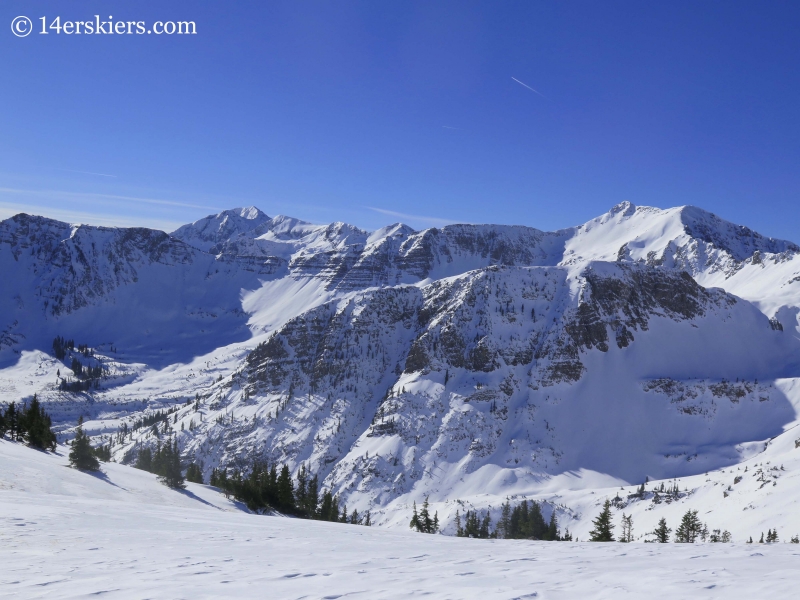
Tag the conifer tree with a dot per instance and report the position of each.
(144, 460)
(603, 525)
(81, 456)
(194, 474)
(415, 524)
(661, 532)
(689, 529)
(627, 528)
(11, 421)
(551, 534)
(285, 490)
(171, 470)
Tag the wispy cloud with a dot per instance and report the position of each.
(414, 218)
(87, 173)
(529, 87)
(448, 127)
(63, 195)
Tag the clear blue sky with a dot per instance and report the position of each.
(339, 110)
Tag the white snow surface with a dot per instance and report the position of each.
(122, 534)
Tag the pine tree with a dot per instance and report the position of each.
(194, 474)
(81, 456)
(627, 529)
(603, 525)
(11, 421)
(144, 460)
(285, 491)
(414, 524)
(689, 529)
(425, 521)
(662, 532)
(551, 534)
(171, 471)
(504, 525)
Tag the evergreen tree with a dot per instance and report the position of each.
(144, 460)
(81, 456)
(171, 474)
(603, 525)
(11, 421)
(689, 529)
(551, 535)
(194, 474)
(415, 523)
(627, 529)
(504, 525)
(285, 490)
(661, 532)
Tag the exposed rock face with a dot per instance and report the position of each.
(77, 265)
(398, 366)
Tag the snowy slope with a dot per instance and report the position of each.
(68, 534)
(464, 363)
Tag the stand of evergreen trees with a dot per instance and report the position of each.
(30, 424)
(86, 377)
(474, 526)
(521, 522)
(270, 487)
(525, 521)
(164, 462)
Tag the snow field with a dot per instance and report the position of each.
(67, 534)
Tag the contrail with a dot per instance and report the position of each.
(87, 172)
(529, 87)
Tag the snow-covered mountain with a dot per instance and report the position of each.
(468, 362)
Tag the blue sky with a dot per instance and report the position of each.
(374, 112)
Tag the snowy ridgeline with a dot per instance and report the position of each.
(124, 535)
(467, 364)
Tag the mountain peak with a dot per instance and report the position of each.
(212, 230)
(625, 207)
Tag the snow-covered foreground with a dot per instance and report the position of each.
(67, 534)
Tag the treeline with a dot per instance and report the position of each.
(165, 462)
(29, 423)
(268, 487)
